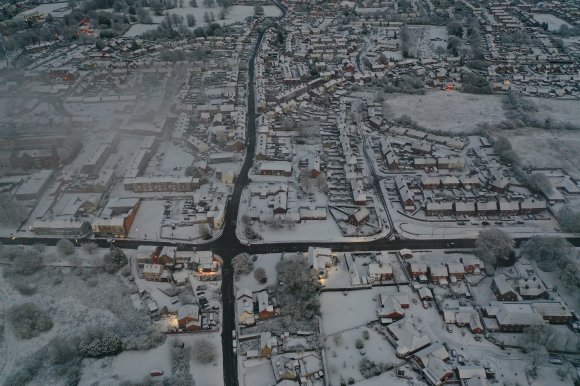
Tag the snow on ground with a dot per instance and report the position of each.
(446, 110)
(549, 146)
(55, 9)
(346, 310)
(258, 372)
(135, 365)
(425, 40)
(554, 22)
(147, 222)
(237, 13)
(343, 359)
(268, 262)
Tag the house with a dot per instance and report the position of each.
(509, 207)
(407, 338)
(146, 254)
(433, 360)
(553, 312)
(276, 168)
(245, 307)
(280, 203)
(153, 272)
(321, 260)
(465, 208)
(268, 345)
(417, 271)
(438, 274)
(167, 255)
(470, 372)
(265, 309)
(532, 288)
(406, 253)
(472, 264)
(380, 272)
(469, 318)
(450, 182)
(188, 317)
(359, 217)
(532, 207)
(359, 196)
(390, 308)
(515, 317)
(487, 207)
(425, 294)
(456, 270)
(439, 208)
(430, 182)
(502, 290)
(314, 166)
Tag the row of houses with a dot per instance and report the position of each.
(503, 207)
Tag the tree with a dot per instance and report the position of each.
(190, 20)
(405, 41)
(209, 3)
(89, 247)
(476, 84)
(242, 264)
(11, 212)
(495, 247)
(65, 247)
(569, 219)
(260, 275)
(100, 44)
(454, 44)
(28, 320)
(27, 264)
(193, 3)
(258, 10)
(564, 30)
(100, 343)
(205, 351)
(206, 17)
(205, 232)
(539, 183)
(297, 291)
(548, 251)
(454, 28)
(114, 260)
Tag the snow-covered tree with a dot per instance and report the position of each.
(494, 247)
(205, 351)
(65, 247)
(548, 251)
(28, 320)
(242, 264)
(11, 212)
(260, 275)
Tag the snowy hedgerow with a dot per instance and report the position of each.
(205, 351)
(65, 247)
(100, 345)
(260, 275)
(28, 321)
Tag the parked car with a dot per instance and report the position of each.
(449, 328)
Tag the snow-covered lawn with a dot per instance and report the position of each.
(55, 9)
(554, 22)
(446, 110)
(343, 359)
(237, 13)
(268, 262)
(549, 146)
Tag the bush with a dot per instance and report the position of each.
(65, 247)
(242, 264)
(260, 275)
(25, 289)
(359, 344)
(28, 321)
(98, 344)
(27, 264)
(205, 351)
(365, 335)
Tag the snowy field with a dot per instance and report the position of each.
(268, 262)
(55, 9)
(550, 146)
(237, 13)
(426, 39)
(554, 22)
(444, 110)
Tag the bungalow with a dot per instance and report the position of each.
(438, 274)
(502, 290)
(532, 288)
(320, 259)
(553, 312)
(359, 217)
(470, 319)
(514, 317)
(265, 309)
(407, 338)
